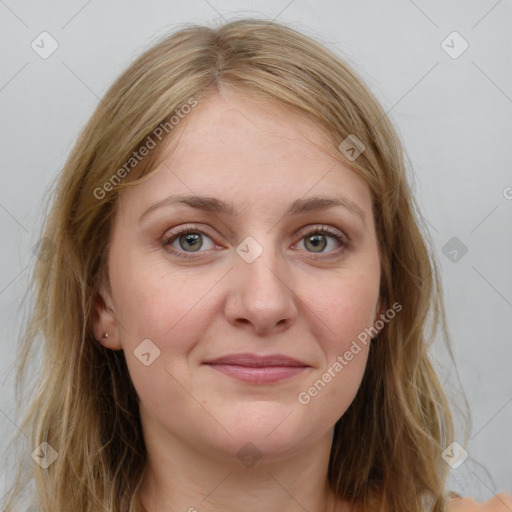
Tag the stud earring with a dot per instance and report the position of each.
(105, 335)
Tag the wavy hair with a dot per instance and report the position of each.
(387, 446)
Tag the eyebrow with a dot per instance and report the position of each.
(299, 206)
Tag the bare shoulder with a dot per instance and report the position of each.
(502, 502)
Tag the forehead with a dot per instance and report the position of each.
(231, 123)
(249, 149)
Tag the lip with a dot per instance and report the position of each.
(259, 369)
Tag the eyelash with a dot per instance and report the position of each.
(171, 236)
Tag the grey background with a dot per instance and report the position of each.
(453, 114)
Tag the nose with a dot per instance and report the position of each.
(261, 296)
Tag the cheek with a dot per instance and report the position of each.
(346, 307)
(154, 302)
(174, 313)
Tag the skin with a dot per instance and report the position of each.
(291, 300)
(502, 502)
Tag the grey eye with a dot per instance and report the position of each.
(315, 242)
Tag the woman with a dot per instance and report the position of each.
(234, 294)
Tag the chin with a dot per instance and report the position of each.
(251, 448)
(265, 432)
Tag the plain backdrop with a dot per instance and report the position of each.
(452, 106)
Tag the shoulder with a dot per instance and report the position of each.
(502, 502)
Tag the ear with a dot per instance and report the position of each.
(104, 321)
(380, 308)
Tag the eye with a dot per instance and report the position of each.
(320, 238)
(187, 240)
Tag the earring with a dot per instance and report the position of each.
(105, 335)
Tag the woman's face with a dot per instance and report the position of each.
(230, 253)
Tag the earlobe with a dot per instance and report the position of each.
(105, 325)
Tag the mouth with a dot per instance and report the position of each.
(258, 369)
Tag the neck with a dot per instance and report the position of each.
(180, 478)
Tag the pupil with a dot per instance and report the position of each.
(317, 241)
(193, 241)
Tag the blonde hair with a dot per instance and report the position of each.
(387, 446)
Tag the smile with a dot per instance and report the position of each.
(258, 369)
(259, 374)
